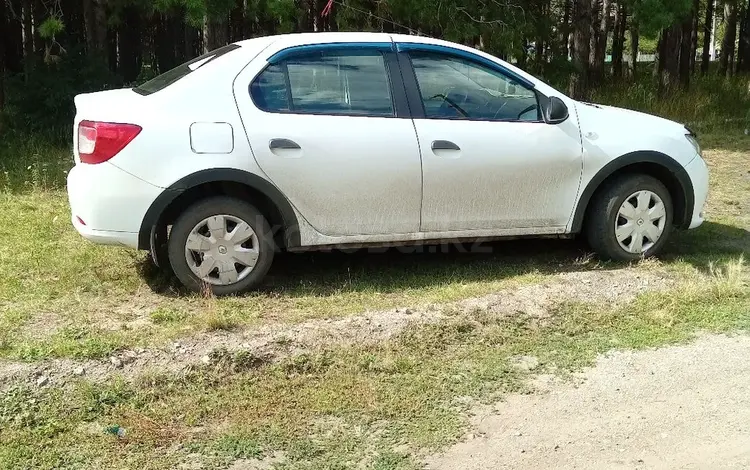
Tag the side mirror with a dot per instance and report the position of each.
(556, 111)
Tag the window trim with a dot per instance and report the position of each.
(398, 101)
(465, 55)
(405, 50)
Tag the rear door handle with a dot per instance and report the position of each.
(283, 144)
(444, 145)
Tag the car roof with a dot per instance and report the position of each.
(319, 38)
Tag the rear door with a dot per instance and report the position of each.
(329, 126)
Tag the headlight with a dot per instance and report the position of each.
(694, 142)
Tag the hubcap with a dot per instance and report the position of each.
(640, 222)
(222, 249)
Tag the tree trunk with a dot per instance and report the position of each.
(634, 38)
(694, 36)
(12, 36)
(605, 27)
(523, 56)
(581, 47)
(96, 26)
(707, 32)
(39, 14)
(565, 29)
(130, 49)
(730, 36)
(618, 41)
(669, 57)
(598, 50)
(111, 46)
(216, 34)
(237, 21)
(164, 49)
(75, 27)
(28, 31)
(686, 47)
(743, 49)
(177, 29)
(192, 42)
(4, 29)
(539, 54)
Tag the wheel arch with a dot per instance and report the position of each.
(213, 182)
(656, 164)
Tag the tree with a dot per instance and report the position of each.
(3, 29)
(581, 48)
(694, 34)
(686, 49)
(618, 40)
(726, 62)
(565, 28)
(669, 57)
(634, 38)
(707, 36)
(599, 40)
(743, 48)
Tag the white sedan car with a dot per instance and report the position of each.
(358, 139)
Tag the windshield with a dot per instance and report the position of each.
(167, 78)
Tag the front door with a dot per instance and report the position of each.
(489, 161)
(323, 126)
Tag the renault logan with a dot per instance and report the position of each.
(357, 139)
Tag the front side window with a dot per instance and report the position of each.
(347, 83)
(454, 88)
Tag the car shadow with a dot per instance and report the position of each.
(416, 267)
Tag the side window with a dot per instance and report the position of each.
(454, 88)
(348, 83)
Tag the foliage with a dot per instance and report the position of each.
(51, 27)
(40, 101)
(655, 15)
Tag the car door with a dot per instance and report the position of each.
(489, 161)
(324, 125)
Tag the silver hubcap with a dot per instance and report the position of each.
(222, 249)
(640, 222)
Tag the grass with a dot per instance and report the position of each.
(377, 405)
(350, 404)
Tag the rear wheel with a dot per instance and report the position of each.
(221, 244)
(630, 218)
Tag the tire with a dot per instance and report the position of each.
(220, 257)
(605, 212)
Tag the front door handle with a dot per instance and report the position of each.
(444, 145)
(285, 144)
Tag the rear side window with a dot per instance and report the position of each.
(167, 78)
(346, 83)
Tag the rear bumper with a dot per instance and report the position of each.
(698, 172)
(108, 204)
(103, 237)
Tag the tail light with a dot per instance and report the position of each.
(100, 141)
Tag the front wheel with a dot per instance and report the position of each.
(630, 218)
(221, 244)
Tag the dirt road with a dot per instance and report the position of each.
(676, 407)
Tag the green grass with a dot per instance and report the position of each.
(377, 405)
(347, 404)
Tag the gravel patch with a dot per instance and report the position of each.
(275, 341)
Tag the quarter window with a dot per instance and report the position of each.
(454, 88)
(348, 83)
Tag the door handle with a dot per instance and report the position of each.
(285, 144)
(444, 145)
